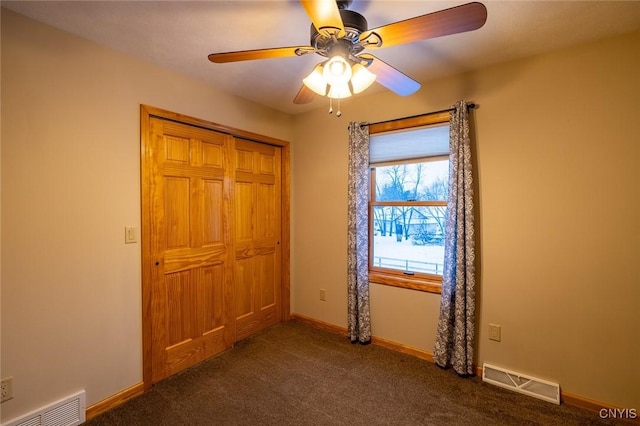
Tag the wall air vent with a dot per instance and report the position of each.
(521, 383)
(70, 411)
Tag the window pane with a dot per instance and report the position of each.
(426, 181)
(409, 238)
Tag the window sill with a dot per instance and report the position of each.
(430, 285)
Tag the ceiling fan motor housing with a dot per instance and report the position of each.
(354, 25)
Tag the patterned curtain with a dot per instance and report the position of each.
(359, 322)
(456, 326)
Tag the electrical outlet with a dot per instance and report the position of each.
(323, 294)
(494, 332)
(6, 389)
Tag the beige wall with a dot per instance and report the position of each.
(71, 308)
(557, 153)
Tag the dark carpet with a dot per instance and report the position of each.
(294, 374)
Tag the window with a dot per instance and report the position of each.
(409, 163)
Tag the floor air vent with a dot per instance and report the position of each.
(69, 411)
(521, 383)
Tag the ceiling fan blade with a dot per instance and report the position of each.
(248, 55)
(304, 96)
(390, 77)
(467, 17)
(325, 16)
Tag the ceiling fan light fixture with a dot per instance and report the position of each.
(361, 79)
(315, 81)
(339, 91)
(341, 35)
(337, 71)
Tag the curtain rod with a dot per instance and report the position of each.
(469, 106)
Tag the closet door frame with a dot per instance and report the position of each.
(148, 112)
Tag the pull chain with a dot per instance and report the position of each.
(339, 112)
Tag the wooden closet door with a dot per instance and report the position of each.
(191, 291)
(257, 233)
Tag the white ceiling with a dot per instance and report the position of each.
(180, 34)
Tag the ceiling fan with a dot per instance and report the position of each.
(341, 35)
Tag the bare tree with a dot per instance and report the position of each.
(401, 183)
(412, 196)
(437, 191)
(380, 214)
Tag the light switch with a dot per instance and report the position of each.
(130, 235)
